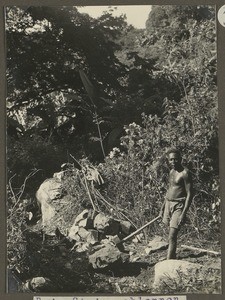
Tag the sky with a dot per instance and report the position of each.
(136, 14)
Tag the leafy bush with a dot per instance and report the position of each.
(205, 280)
(136, 175)
(32, 152)
(17, 218)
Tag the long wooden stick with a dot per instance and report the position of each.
(113, 207)
(200, 249)
(139, 230)
(89, 194)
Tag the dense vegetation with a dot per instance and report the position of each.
(118, 97)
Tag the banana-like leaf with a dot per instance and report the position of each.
(114, 135)
(107, 101)
(88, 86)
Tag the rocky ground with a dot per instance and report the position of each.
(54, 266)
(68, 252)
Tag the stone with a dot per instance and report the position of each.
(156, 244)
(138, 238)
(83, 223)
(115, 239)
(106, 256)
(92, 237)
(83, 233)
(126, 227)
(82, 247)
(73, 232)
(106, 224)
(101, 222)
(170, 272)
(40, 284)
(77, 238)
(68, 266)
(83, 215)
(84, 219)
(53, 202)
(50, 189)
(86, 223)
(113, 228)
(59, 175)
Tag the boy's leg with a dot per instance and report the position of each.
(174, 229)
(171, 254)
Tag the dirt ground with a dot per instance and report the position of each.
(69, 271)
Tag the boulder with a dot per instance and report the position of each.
(106, 256)
(113, 228)
(106, 224)
(57, 208)
(73, 232)
(82, 216)
(82, 247)
(84, 219)
(92, 237)
(40, 284)
(86, 223)
(49, 190)
(170, 272)
(101, 222)
(83, 233)
(126, 227)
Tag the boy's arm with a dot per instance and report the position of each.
(164, 202)
(188, 188)
(162, 208)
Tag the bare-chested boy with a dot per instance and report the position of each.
(177, 200)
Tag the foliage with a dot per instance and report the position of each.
(32, 152)
(75, 41)
(190, 124)
(44, 85)
(137, 176)
(205, 281)
(146, 90)
(17, 217)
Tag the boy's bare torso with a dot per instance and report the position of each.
(176, 187)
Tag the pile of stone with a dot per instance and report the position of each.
(98, 233)
(91, 227)
(91, 230)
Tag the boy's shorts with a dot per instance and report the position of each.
(172, 212)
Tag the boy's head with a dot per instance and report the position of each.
(174, 157)
(175, 151)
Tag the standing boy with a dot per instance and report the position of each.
(177, 200)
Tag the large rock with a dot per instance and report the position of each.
(126, 227)
(40, 284)
(101, 222)
(83, 220)
(107, 225)
(106, 256)
(82, 216)
(55, 206)
(93, 237)
(50, 189)
(171, 272)
(73, 233)
(83, 233)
